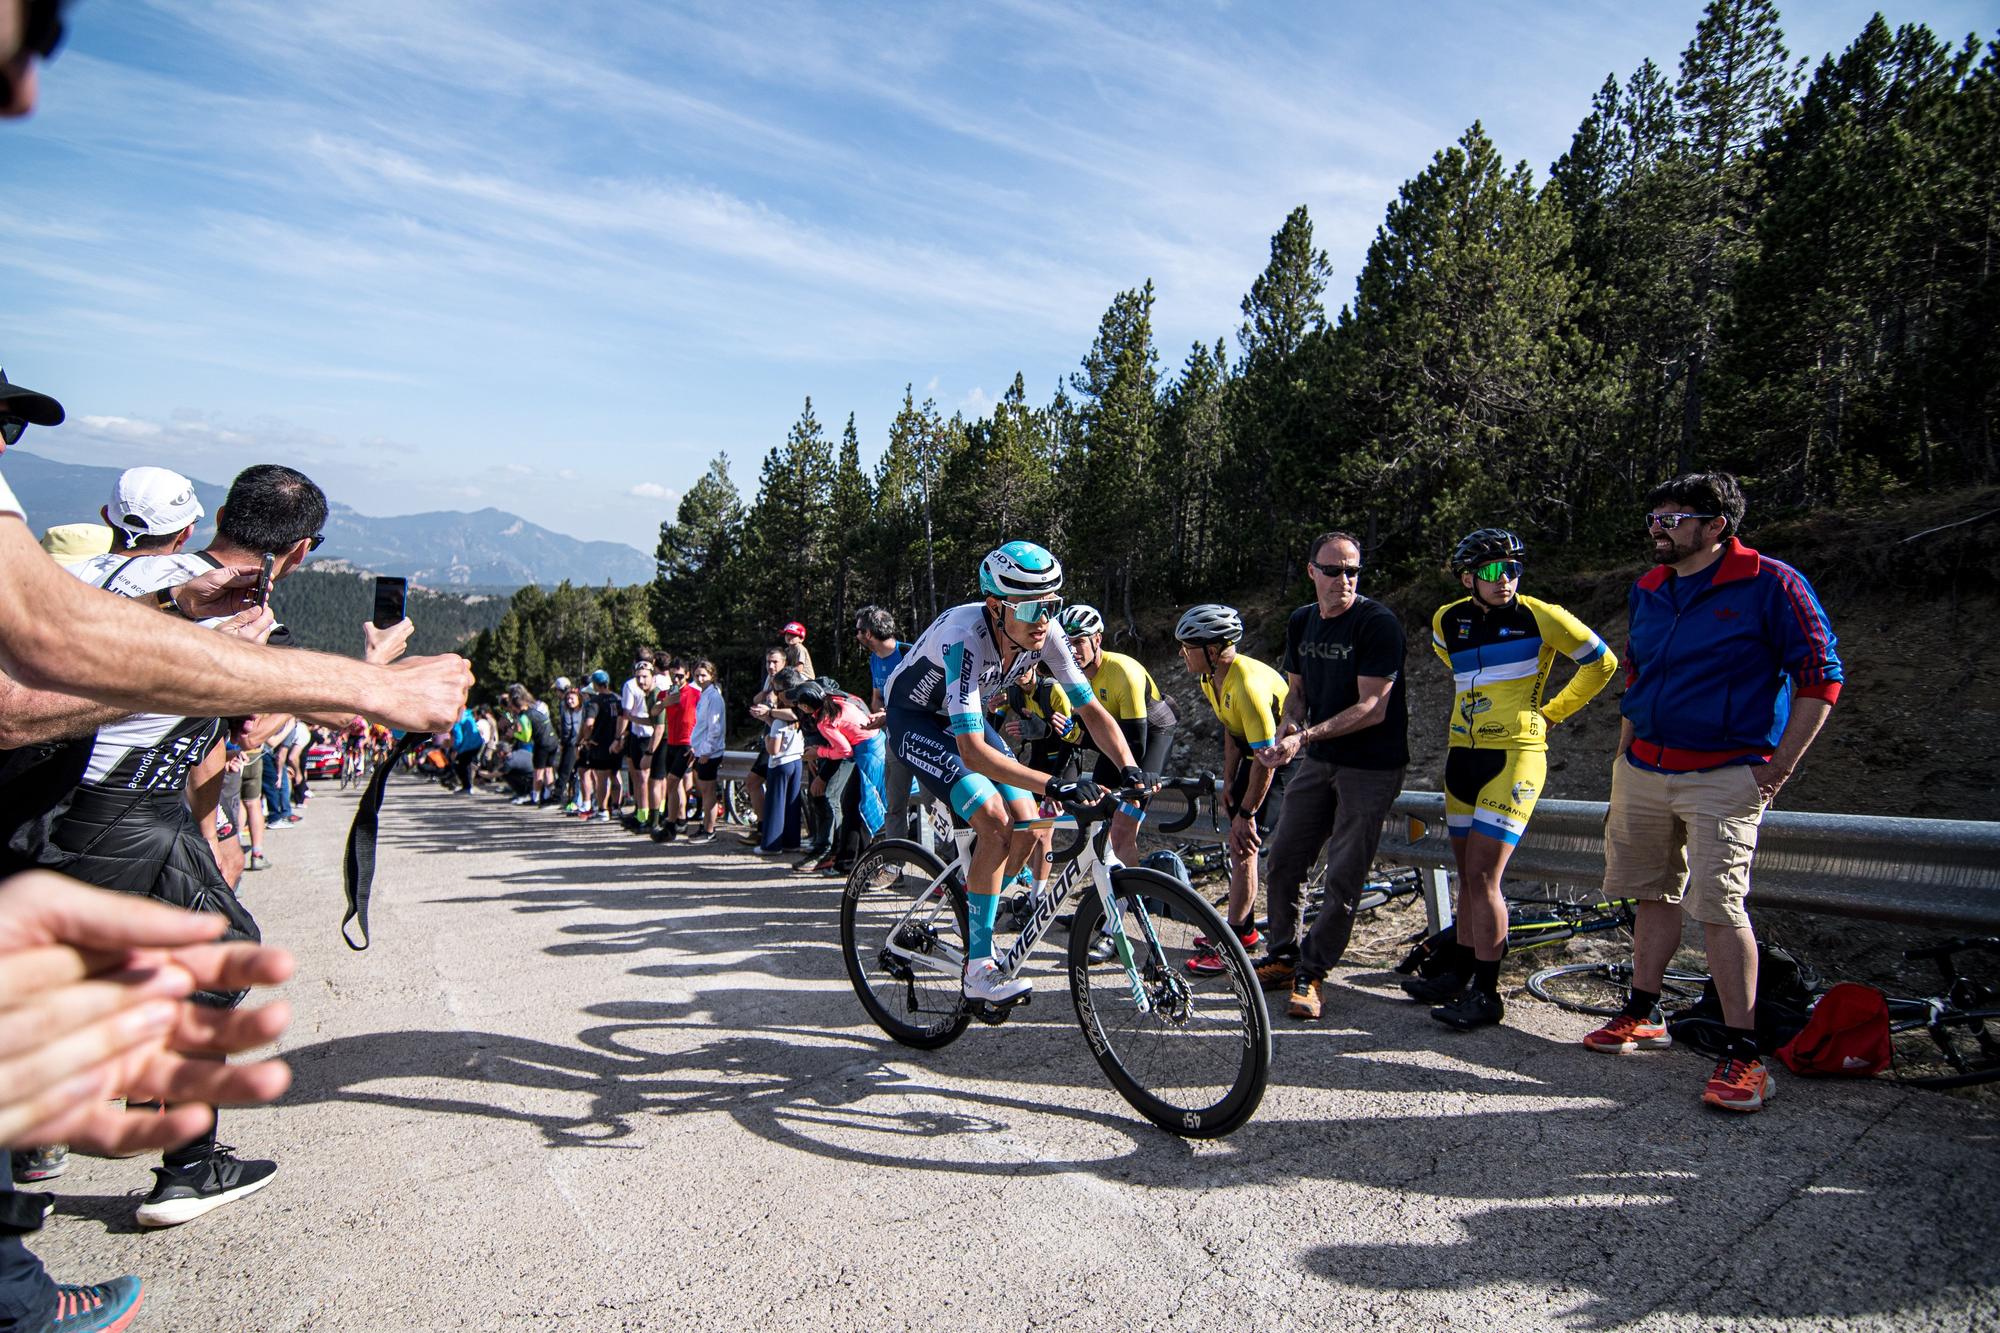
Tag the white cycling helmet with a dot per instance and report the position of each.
(1079, 619)
(1020, 569)
(1211, 622)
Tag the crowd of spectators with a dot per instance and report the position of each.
(646, 755)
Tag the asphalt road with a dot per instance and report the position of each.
(582, 1082)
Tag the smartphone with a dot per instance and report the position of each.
(390, 594)
(261, 594)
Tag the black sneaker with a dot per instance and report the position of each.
(182, 1194)
(700, 838)
(1474, 1009)
(105, 1307)
(1439, 989)
(666, 831)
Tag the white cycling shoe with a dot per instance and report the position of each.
(985, 982)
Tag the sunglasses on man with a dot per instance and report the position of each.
(1498, 571)
(1672, 521)
(1034, 613)
(1338, 571)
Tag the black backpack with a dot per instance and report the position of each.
(1785, 990)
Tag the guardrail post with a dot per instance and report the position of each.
(1437, 898)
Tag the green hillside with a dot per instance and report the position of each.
(324, 607)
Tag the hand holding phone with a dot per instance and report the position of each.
(260, 595)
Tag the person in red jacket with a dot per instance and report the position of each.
(1730, 670)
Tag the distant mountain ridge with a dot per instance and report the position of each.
(488, 548)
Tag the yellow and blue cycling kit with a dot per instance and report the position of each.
(1500, 659)
(1248, 700)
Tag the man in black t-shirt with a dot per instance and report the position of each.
(1344, 663)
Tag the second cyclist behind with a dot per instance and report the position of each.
(1129, 693)
(1500, 647)
(936, 705)
(1249, 699)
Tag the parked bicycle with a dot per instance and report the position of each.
(1963, 1022)
(1190, 1052)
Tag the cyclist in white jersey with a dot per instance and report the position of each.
(937, 703)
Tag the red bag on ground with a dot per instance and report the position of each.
(1847, 1035)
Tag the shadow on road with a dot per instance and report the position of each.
(1651, 1203)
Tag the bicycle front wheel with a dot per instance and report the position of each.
(1602, 988)
(1192, 1048)
(904, 943)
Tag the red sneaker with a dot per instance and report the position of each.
(1624, 1034)
(1739, 1085)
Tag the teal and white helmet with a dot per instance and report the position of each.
(1079, 620)
(1020, 569)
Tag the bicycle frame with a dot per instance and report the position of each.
(1092, 862)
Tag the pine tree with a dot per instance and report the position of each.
(690, 597)
(1193, 445)
(1111, 510)
(1736, 83)
(788, 536)
(852, 502)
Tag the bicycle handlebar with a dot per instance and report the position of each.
(1087, 815)
(1194, 787)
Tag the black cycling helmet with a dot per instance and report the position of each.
(1477, 548)
(1210, 622)
(811, 693)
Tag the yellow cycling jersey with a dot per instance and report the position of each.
(1248, 701)
(1500, 659)
(1124, 687)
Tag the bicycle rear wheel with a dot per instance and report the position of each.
(906, 958)
(1195, 1058)
(1602, 988)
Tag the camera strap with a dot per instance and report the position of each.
(358, 867)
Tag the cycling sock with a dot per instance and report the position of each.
(1741, 1043)
(981, 910)
(1486, 975)
(1641, 1003)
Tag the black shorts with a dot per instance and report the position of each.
(635, 750)
(600, 759)
(671, 761)
(545, 756)
(761, 764)
(708, 770)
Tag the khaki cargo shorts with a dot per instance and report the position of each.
(1683, 838)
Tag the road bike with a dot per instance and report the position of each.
(1603, 988)
(1963, 1023)
(1191, 1052)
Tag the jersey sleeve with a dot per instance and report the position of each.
(1437, 636)
(1263, 700)
(1062, 665)
(1595, 663)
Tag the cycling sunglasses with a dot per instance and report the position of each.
(1338, 571)
(1034, 613)
(1498, 571)
(1672, 521)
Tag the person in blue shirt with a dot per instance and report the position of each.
(1730, 671)
(875, 629)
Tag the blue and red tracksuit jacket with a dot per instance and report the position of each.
(1711, 667)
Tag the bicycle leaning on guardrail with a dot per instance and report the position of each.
(1190, 1051)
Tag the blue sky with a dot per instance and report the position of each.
(553, 257)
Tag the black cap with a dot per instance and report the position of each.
(37, 409)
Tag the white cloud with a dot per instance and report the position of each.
(120, 428)
(651, 490)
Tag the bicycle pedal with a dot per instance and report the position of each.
(993, 1015)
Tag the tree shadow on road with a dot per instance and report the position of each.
(1599, 1187)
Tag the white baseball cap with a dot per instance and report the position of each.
(562, 682)
(152, 502)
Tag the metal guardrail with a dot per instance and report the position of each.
(1927, 872)
(1930, 872)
